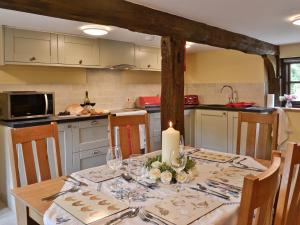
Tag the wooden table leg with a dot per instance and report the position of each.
(22, 213)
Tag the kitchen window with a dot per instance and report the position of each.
(291, 78)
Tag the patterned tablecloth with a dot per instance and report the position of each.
(142, 196)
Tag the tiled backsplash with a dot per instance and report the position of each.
(211, 93)
(110, 90)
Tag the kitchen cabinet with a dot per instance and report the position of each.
(189, 127)
(211, 130)
(155, 129)
(78, 51)
(147, 58)
(83, 144)
(66, 146)
(23, 46)
(114, 53)
(91, 158)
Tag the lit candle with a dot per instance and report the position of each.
(170, 142)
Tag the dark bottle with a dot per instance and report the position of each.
(86, 99)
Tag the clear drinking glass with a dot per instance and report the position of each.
(136, 163)
(178, 161)
(181, 144)
(114, 158)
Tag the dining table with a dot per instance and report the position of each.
(138, 193)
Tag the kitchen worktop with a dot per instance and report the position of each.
(66, 119)
(219, 107)
(57, 119)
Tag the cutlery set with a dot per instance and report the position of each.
(129, 178)
(137, 211)
(240, 165)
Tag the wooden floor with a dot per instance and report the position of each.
(7, 217)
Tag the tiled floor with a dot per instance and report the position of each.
(7, 217)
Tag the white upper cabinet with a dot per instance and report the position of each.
(147, 58)
(78, 51)
(24, 46)
(114, 53)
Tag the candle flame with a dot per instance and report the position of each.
(170, 124)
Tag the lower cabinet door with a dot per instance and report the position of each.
(91, 158)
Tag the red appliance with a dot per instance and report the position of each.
(148, 101)
(191, 100)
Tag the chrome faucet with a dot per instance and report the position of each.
(231, 98)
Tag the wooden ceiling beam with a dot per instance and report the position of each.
(142, 19)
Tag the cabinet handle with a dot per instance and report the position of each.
(95, 152)
(32, 59)
(148, 65)
(94, 122)
(69, 126)
(224, 113)
(80, 61)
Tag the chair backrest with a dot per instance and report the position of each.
(33, 152)
(268, 127)
(258, 195)
(288, 207)
(129, 133)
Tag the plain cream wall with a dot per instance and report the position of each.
(224, 66)
(13, 74)
(290, 51)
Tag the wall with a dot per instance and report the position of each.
(108, 88)
(290, 51)
(208, 71)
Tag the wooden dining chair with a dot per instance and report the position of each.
(29, 148)
(258, 146)
(258, 195)
(288, 206)
(129, 134)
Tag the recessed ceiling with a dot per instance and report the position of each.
(267, 20)
(49, 24)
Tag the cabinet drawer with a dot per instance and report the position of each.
(88, 159)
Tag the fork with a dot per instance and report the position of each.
(54, 196)
(146, 219)
(149, 216)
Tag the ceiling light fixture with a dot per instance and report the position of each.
(296, 21)
(95, 30)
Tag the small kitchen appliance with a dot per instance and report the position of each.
(16, 105)
(191, 100)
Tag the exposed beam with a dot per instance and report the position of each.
(273, 77)
(172, 83)
(142, 19)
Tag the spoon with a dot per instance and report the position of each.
(129, 178)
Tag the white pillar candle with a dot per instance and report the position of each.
(170, 142)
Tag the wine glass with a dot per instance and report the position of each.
(178, 161)
(181, 144)
(114, 158)
(136, 165)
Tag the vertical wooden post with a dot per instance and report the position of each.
(172, 82)
(273, 76)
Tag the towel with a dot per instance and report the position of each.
(141, 127)
(283, 128)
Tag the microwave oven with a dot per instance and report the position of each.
(17, 105)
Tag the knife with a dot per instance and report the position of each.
(211, 193)
(78, 181)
